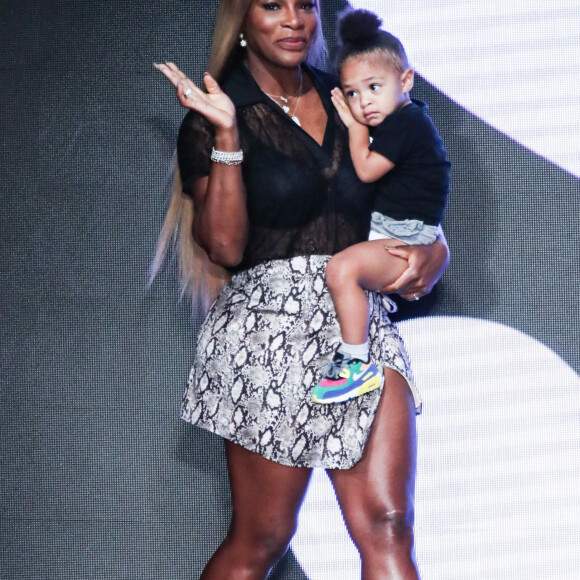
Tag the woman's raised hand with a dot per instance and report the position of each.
(214, 105)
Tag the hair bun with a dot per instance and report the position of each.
(358, 26)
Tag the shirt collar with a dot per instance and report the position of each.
(244, 91)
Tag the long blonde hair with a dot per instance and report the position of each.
(199, 277)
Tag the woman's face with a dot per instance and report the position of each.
(280, 32)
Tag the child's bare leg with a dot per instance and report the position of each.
(364, 266)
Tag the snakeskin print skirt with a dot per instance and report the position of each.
(257, 360)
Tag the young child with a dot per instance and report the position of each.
(408, 162)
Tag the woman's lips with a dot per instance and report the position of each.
(292, 43)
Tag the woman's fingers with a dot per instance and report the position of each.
(211, 84)
(187, 91)
(406, 285)
(172, 73)
(176, 76)
(185, 87)
(427, 262)
(166, 71)
(214, 105)
(177, 73)
(415, 282)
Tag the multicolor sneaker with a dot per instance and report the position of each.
(346, 378)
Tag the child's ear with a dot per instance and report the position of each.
(408, 79)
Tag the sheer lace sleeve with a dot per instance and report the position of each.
(194, 143)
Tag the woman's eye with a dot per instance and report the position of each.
(271, 6)
(308, 6)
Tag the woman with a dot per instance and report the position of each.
(273, 221)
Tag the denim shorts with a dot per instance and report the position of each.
(411, 232)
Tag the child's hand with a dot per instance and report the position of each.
(342, 108)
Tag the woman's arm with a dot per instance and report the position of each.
(426, 264)
(221, 221)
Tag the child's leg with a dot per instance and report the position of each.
(364, 266)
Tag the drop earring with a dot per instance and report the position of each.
(243, 42)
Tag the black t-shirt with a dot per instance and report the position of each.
(418, 185)
(302, 198)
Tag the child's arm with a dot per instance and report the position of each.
(369, 165)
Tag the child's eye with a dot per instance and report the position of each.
(375, 86)
(350, 94)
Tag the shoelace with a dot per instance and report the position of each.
(333, 368)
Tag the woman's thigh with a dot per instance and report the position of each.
(266, 496)
(380, 488)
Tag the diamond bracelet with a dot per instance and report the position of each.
(227, 157)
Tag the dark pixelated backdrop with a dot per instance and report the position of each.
(99, 477)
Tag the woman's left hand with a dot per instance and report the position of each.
(426, 264)
(214, 105)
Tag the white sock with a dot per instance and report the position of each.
(360, 351)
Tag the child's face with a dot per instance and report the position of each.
(372, 91)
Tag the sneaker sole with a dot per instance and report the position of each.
(370, 385)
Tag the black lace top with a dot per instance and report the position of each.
(302, 198)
